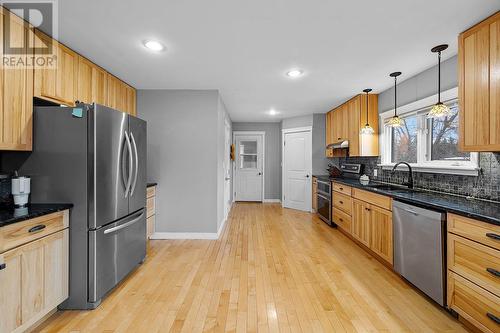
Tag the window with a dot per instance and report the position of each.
(429, 145)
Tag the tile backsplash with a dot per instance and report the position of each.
(484, 186)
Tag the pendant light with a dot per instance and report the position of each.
(395, 121)
(367, 130)
(439, 110)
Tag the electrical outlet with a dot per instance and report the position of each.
(375, 172)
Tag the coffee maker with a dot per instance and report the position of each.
(20, 190)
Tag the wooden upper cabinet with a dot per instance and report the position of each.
(16, 86)
(346, 121)
(131, 100)
(329, 133)
(363, 145)
(92, 83)
(479, 86)
(117, 94)
(56, 83)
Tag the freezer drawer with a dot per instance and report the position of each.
(114, 251)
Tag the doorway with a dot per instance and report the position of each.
(297, 168)
(249, 166)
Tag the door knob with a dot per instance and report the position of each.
(260, 173)
(307, 176)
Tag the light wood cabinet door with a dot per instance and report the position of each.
(32, 276)
(360, 222)
(381, 234)
(56, 268)
(16, 86)
(10, 291)
(56, 83)
(117, 94)
(92, 83)
(131, 100)
(479, 86)
(353, 116)
(315, 194)
(329, 133)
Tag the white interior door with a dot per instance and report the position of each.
(249, 168)
(297, 165)
(227, 169)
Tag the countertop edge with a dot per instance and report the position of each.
(425, 204)
(46, 210)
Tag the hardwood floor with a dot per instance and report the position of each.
(272, 270)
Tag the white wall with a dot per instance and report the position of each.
(183, 153)
(222, 117)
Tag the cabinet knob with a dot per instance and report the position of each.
(3, 266)
(341, 202)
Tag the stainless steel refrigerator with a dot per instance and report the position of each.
(94, 157)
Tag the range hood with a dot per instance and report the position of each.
(338, 144)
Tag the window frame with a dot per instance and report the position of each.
(424, 140)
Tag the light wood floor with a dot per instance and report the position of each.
(272, 270)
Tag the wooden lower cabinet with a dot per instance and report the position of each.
(34, 281)
(360, 224)
(475, 304)
(381, 234)
(473, 271)
(314, 203)
(150, 211)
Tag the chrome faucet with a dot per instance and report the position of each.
(410, 175)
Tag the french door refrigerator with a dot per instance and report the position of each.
(94, 157)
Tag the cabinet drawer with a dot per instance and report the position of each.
(342, 202)
(482, 232)
(374, 199)
(20, 233)
(342, 219)
(476, 262)
(476, 305)
(150, 206)
(150, 191)
(342, 188)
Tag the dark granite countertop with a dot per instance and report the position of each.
(483, 210)
(13, 215)
(151, 184)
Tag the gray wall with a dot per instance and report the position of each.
(319, 160)
(272, 168)
(182, 157)
(301, 121)
(421, 85)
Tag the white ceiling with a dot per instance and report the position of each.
(244, 48)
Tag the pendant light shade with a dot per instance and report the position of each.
(395, 121)
(367, 129)
(439, 110)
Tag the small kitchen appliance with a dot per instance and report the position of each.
(21, 190)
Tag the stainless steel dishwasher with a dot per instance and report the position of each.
(419, 248)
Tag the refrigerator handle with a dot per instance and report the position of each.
(136, 163)
(129, 179)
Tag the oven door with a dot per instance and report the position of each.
(324, 187)
(324, 208)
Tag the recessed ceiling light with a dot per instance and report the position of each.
(273, 112)
(154, 45)
(295, 73)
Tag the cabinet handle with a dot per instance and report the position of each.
(493, 317)
(341, 202)
(493, 271)
(493, 236)
(341, 188)
(37, 228)
(3, 266)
